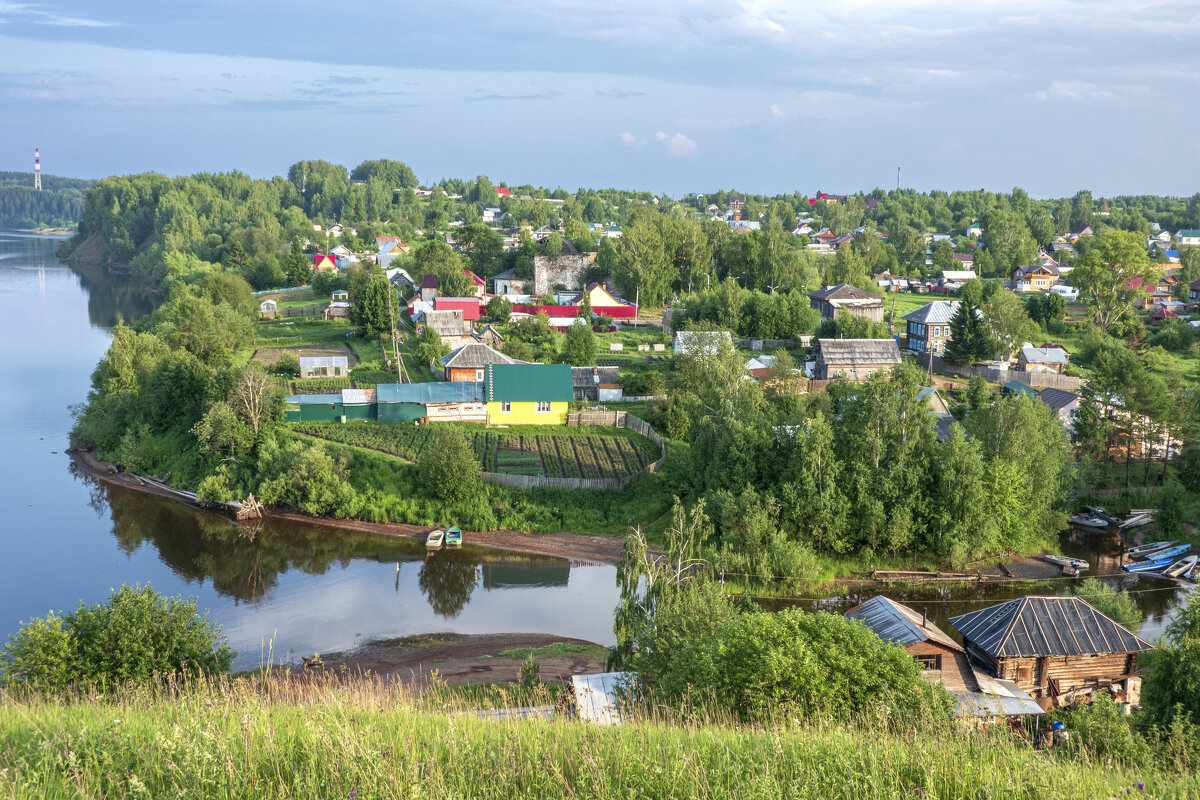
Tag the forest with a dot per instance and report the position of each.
(58, 205)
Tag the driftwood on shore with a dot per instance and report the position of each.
(923, 576)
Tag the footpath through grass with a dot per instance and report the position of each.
(342, 738)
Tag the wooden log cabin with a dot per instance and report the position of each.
(944, 661)
(1055, 648)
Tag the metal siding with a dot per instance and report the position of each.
(324, 412)
(524, 413)
(400, 412)
(364, 411)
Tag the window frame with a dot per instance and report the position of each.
(538, 408)
(506, 407)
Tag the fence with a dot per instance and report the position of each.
(765, 344)
(617, 419)
(1037, 380)
(267, 292)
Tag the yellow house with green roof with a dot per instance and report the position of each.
(527, 394)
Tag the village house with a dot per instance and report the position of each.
(929, 326)
(744, 225)
(737, 203)
(339, 305)
(1189, 237)
(943, 661)
(844, 297)
(469, 306)
(456, 401)
(602, 301)
(1055, 648)
(955, 278)
(853, 359)
(1047, 358)
(1035, 277)
(401, 281)
(390, 248)
(324, 367)
(597, 383)
(335, 230)
(467, 362)
(324, 263)
(527, 394)
(267, 309)
(974, 230)
(1064, 404)
(489, 336)
(450, 325)
(965, 260)
(490, 212)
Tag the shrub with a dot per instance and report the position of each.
(287, 364)
(136, 634)
(449, 469)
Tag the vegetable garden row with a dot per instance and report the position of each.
(560, 455)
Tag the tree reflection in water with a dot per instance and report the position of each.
(447, 579)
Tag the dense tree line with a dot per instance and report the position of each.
(58, 205)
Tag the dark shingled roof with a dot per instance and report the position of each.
(844, 291)
(898, 623)
(1056, 398)
(937, 311)
(859, 351)
(475, 355)
(1032, 626)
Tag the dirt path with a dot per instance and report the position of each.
(595, 549)
(460, 658)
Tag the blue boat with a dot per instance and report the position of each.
(1148, 566)
(1170, 552)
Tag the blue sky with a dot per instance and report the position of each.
(666, 96)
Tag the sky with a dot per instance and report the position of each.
(667, 96)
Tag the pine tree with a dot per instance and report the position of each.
(968, 339)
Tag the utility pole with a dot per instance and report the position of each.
(897, 178)
(37, 170)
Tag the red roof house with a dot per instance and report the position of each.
(468, 305)
(503, 191)
(324, 263)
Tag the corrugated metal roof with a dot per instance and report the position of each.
(597, 697)
(998, 699)
(1034, 626)
(475, 354)
(1044, 355)
(898, 623)
(357, 397)
(437, 392)
(323, 361)
(938, 311)
(528, 382)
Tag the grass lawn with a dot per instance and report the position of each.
(301, 331)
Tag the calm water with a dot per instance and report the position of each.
(298, 588)
(289, 587)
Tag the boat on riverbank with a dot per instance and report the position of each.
(1181, 567)
(435, 538)
(1169, 552)
(1089, 521)
(1148, 566)
(1066, 561)
(1148, 548)
(454, 537)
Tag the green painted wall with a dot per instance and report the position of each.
(400, 412)
(358, 412)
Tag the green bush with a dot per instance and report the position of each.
(449, 469)
(136, 634)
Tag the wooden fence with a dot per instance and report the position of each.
(616, 419)
(765, 344)
(1036, 380)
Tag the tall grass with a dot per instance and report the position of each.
(336, 737)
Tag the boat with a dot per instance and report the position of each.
(1067, 561)
(1148, 566)
(435, 538)
(454, 537)
(1170, 552)
(1181, 567)
(1088, 521)
(1149, 547)
(1135, 521)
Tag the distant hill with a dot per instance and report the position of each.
(58, 205)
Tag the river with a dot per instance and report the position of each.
(287, 589)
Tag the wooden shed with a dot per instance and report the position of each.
(467, 363)
(1055, 648)
(853, 359)
(944, 661)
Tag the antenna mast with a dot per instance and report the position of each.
(897, 178)
(37, 170)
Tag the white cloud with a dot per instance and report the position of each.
(1074, 90)
(36, 15)
(678, 145)
(628, 138)
(776, 111)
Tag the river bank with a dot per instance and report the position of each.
(591, 549)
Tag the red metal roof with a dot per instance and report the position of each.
(468, 305)
(321, 261)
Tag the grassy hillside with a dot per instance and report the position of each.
(360, 739)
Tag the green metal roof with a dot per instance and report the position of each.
(1017, 386)
(435, 392)
(528, 382)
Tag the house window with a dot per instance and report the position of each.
(933, 661)
(324, 370)
(505, 407)
(478, 375)
(543, 406)
(337, 370)
(1024, 675)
